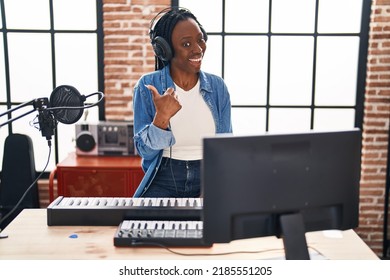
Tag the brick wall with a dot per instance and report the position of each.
(128, 55)
(376, 128)
(127, 51)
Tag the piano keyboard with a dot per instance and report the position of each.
(154, 233)
(111, 211)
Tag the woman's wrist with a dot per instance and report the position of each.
(161, 122)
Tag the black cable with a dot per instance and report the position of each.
(170, 165)
(26, 192)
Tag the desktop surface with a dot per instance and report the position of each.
(29, 237)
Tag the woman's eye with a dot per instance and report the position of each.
(187, 44)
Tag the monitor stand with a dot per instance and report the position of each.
(294, 239)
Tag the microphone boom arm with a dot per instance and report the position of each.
(49, 115)
(17, 108)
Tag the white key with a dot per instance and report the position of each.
(63, 202)
(129, 202)
(181, 202)
(174, 224)
(153, 201)
(199, 202)
(190, 202)
(144, 202)
(125, 225)
(191, 225)
(171, 202)
(163, 202)
(160, 224)
(149, 202)
(112, 202)
(84, 201)
(137, 201)
(121, 201)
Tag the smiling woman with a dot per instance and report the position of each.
(190, 48)
(175, 106)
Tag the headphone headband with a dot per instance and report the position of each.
(151, 26)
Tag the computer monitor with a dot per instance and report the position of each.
(280, 185)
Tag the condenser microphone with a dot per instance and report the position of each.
(47, 123)
(67, 104)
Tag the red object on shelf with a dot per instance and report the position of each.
(96, 176)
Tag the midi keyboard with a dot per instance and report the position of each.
(132, 233)
(111, 211)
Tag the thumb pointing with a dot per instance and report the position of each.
(153, 90)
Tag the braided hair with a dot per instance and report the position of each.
(165, 26)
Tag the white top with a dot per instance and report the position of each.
(190, 125)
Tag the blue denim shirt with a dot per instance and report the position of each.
(150, 140)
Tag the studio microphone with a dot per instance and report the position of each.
(47, 123)
(66, 106)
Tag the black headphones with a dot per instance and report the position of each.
(161, 47)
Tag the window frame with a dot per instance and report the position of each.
(9, 103)
(362, 62)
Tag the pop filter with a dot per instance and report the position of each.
(62, 99)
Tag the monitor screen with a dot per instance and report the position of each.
(280, 184)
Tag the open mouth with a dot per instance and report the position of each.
(196, 61)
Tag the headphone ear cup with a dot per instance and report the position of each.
(162, 49)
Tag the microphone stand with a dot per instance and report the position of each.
(17, 108)
(46, 121)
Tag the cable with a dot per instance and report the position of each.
(203, 254)
(170, 165)
(216, 254)
(26, 192)
(317, 251)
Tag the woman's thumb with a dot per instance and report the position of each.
(153, 90)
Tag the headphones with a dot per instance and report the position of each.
(161, 47)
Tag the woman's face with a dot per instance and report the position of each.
(189, 46)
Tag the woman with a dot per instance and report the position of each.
(175, 106)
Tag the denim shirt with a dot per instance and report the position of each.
(150, 140)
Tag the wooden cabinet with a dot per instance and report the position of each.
(96, 176)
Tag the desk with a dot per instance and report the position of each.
(31, 238)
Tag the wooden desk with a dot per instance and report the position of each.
(31, 238)
(94, 176)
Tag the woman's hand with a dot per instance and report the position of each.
(167, 105)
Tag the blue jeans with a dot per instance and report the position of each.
(176, 178)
